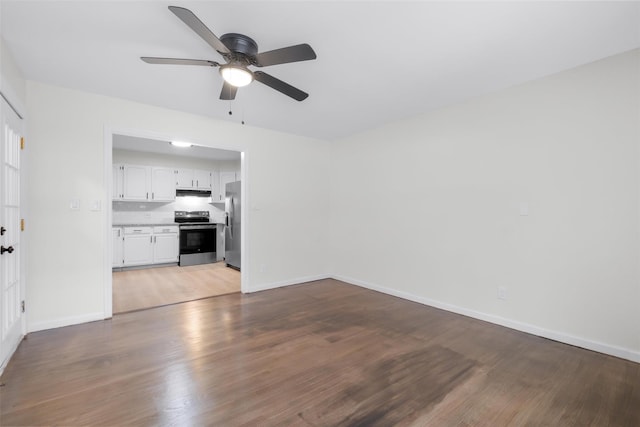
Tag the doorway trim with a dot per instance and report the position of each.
(109, 131)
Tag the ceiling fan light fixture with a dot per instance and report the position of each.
(181, 144)
(236, 75)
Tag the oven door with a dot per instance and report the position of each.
(196, 239)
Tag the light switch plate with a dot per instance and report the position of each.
(96, 205)
(74, 204)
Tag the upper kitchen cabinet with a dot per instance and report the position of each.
(118, 182)
(193, 179)
(184, 178)
(203, 179)
(225, 178)
(136, 182)
(163, 184)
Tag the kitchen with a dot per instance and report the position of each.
(176, 224)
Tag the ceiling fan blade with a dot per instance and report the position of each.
(196, 25)
(228, 92)
(280, 86)
(176, 61)
(299, 52)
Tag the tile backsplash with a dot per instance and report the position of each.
(159, 213)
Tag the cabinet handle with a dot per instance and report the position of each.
(153, 195)
(150, 239)
(192, 183)
(147, 196)
(197, 183)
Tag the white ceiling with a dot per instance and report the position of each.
(132, 143)
(377, 61)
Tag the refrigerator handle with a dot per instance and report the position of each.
(226, 219)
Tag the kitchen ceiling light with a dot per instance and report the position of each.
(181, 144)
(236, 75)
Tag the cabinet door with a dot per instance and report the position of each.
(185, 179)
(138, 249)
(202, 179)
(118, 187)
(136, 182)
(116, 236)
(163, 184)
(165, 248)
(225, 178)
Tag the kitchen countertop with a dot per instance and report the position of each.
(158, 224)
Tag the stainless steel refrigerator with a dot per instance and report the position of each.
(232, 230)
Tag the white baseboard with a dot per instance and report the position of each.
(64, 321)
(623, 353)
(297, 281)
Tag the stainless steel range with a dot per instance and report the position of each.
(197, 237)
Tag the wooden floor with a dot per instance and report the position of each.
(320, 354)
(153, 287)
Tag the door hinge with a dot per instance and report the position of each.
(22, 306)
(22, 224)
(22, 142)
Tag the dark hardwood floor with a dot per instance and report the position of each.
(320, 354)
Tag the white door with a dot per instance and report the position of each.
(163, 184)
(10, 285)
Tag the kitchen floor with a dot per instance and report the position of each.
(153, 287)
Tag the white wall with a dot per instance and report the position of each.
(429, 208)
(12, 82)
(286, 183)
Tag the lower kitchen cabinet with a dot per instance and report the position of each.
(116, 257)
(148, 245)
(165, 244)
(138, 246)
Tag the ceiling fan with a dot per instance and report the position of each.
(240, 52)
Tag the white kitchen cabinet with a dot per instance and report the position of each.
(165, 244)
(117, 238)
(136, 182)
(163, 184)
(118, 182)
(193, 179)
(202, 179)
(225, 178)
(138, 246)
(184, 178)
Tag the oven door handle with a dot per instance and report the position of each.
(198, 227)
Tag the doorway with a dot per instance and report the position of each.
(151, 182)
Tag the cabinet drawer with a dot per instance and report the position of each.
(162, 229)
(137, 230)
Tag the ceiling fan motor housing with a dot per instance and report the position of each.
(239, 43)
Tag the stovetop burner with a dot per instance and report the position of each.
(191, 216)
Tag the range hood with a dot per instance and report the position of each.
(193, 193)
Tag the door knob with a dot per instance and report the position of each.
(3, 250)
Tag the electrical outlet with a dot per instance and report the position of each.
(502, 292)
